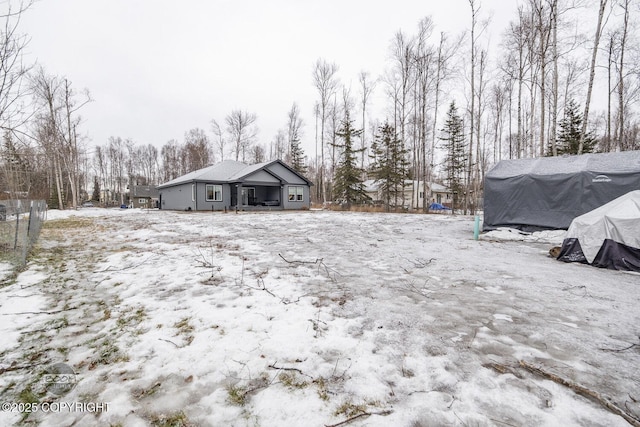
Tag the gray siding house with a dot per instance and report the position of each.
(235, 185)
(144, 196)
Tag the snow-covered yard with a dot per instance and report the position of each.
(316, 319)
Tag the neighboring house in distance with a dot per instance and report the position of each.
(413, 194)
(436, 193)
(236, 185)
(440, 194)
(144, 196)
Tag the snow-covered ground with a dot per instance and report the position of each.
(315, 319)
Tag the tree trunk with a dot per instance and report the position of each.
(473, 96)
(592, 73)
(621, 109)
(554, 105)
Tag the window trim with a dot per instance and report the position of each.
(206, 192)
(298, 193)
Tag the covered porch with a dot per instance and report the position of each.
(257, 197)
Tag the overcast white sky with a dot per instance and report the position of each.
(157, 68)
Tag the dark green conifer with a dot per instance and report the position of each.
(389, 167)
(348, 186)
(569, 134)
(453, 141)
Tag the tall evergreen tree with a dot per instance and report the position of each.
(453, 141)
(568, 140)
(348, 186)
(297, 155)
(389, 167)
(96, 189)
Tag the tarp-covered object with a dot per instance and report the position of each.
(549, 192)
(438, 207)
(607, 237)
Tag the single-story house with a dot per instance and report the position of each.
(236, 185)
(144, 196)
(413, 193)
(549, 192)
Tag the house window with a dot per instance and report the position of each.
(142, 201)
(296, 194)
(214, 193)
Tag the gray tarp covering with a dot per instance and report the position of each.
(607, 237)
(549, 192)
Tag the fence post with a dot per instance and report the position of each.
(30, 219)
(15, 241)
(25, 233)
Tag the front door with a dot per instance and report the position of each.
(248, 196)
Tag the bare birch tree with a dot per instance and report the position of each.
(367, 86)
(170, 153)
(57, 131)
(220, 141)
(474, 21)
(326, 82)
(625, 4)
(197, 149)
(13, 71)
(592, 73)
(242, 130)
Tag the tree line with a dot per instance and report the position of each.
(565, 81)
(536, 99)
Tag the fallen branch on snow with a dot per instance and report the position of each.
(109, 269)
(40, 312)
(15, 368)
(262, 287)
(583, 391)
(613, 350)
(273, 366)
(169, 341)
(419, 262)
(318, 261)
(355, 417)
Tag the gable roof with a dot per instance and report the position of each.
(145, 191)
(248, 170)
(228, 171)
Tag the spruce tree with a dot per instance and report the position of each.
(453, 141)
(348, 186)
(297, 155)
(570, 129)
(96, 189)
(389, 167)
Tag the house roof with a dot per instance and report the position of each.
(625, 161)
(372, 185)
(145, 191)
(226, 171)
(248, 170)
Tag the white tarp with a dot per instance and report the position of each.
(618, 220)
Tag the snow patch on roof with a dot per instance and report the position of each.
(626, 161)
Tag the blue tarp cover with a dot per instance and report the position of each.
(438, 207)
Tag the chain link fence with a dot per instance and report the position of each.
(20, 224)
